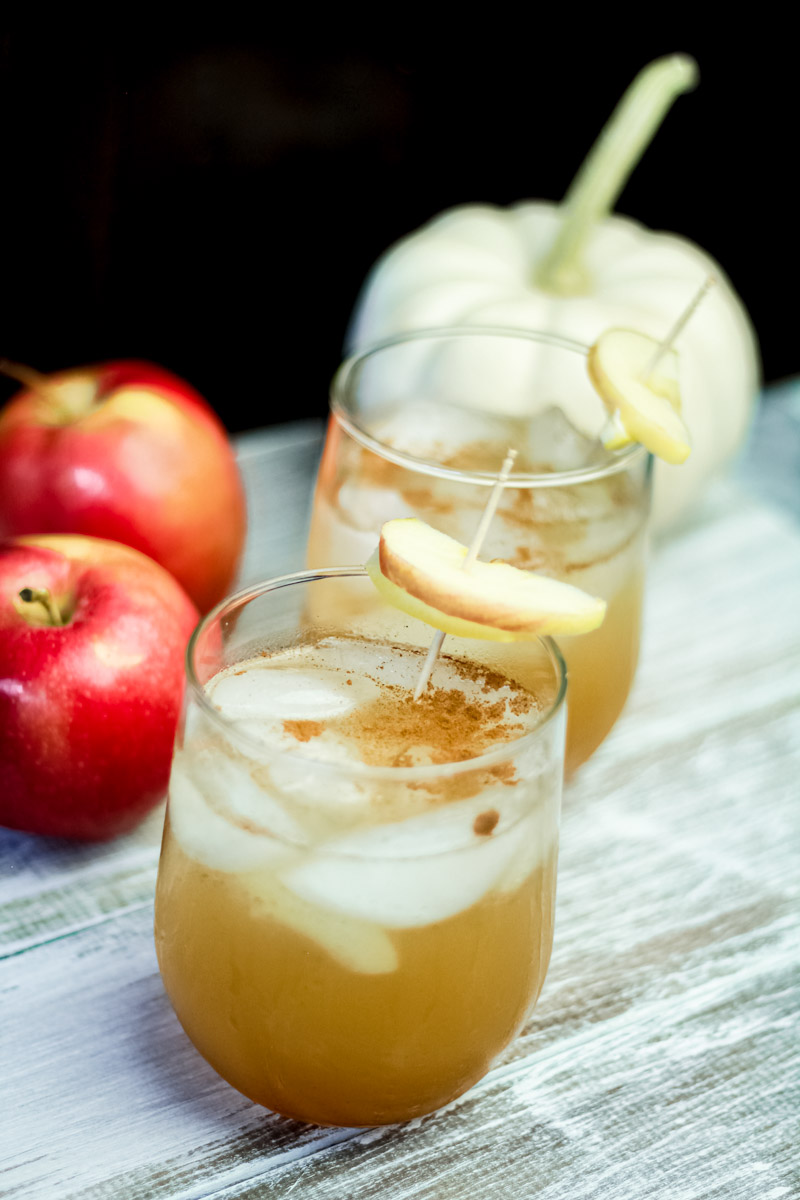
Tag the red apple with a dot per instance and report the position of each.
(92, 639)
(129, 452)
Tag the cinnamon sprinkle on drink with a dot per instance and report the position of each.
(485, 822)
(304, 730)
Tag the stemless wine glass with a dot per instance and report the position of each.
(419, 427)
(349, 941)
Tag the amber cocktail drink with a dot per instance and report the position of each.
(418, 427)
(354, 911)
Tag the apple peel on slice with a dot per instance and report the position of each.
(422, 572)
(644, 404)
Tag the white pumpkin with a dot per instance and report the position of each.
(571, 270)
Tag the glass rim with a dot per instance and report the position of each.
(622, 460)
(412, 774)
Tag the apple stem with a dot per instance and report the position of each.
(691, 308)
(42, 596)
(29, 377)
(608, 166)
(472, 553)
(65, 401)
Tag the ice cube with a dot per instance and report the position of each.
(318, 784)
(441, 431)
(199, 825)
(359, 945)
(367, 507)
(280, 693)
(554, 443)
(408, 874)
(334, 538)
(233, 790)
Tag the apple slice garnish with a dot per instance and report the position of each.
(636, 377)
(424, 573)
(637, 380)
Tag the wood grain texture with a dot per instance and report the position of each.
(663, 1057)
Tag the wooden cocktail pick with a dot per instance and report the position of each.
(472, 553)
(667, 343)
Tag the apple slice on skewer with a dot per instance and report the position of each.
(636, 377)
(637, 380)
(421, 571)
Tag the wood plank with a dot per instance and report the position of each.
(50, 887)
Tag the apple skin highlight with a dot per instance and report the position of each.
(88, 708)
(127, 452)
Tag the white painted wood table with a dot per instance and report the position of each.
(663, 1058)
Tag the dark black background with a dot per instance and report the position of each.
(213, 201)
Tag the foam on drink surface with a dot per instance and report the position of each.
(347, 699)
(295, 811)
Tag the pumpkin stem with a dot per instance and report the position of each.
(608, 165)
